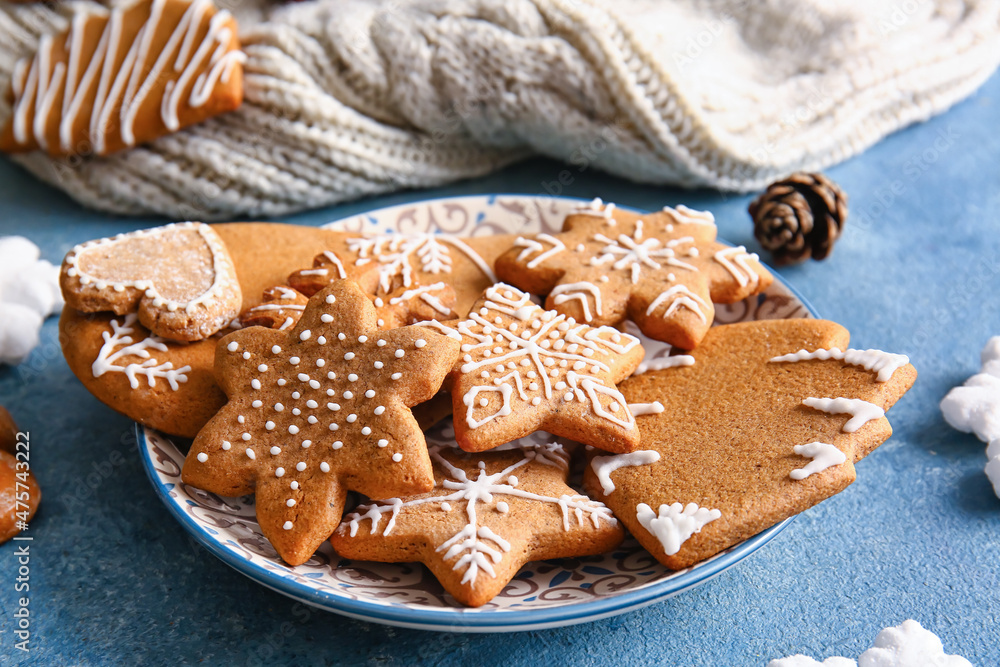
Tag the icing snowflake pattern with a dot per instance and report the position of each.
(477, 548)
(662, 270)
(118, 344)
(523, 353)
(396, 255)
(633, 252)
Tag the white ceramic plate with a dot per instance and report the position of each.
(544, 594)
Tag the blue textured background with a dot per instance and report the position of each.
(115, 580)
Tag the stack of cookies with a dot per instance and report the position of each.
(306, 364)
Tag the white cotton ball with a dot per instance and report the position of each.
(991, 352)
(32, 287)
(16, 253)
(975, 407)
(993, 465)
(909, 645)
(993, 449)
(19, 326)
(806, 661)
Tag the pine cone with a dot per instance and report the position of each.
(799, 217)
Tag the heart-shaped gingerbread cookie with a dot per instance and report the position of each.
(179, 278)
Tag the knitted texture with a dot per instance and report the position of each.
(347, 98)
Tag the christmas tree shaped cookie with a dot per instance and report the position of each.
(768, 421)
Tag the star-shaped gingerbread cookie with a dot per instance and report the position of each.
(487, 515)
(317, 410)
(524, 369)
(768, 421)
(282, 307)
(662, 270)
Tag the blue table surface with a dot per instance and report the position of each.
(115, 580)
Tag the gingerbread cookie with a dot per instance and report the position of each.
(283, 306)
(488, 514)
(19, 491)
(386, 263)
(264, 255)
(318, 410)
(524, 369)
(125, 76)
(768, 421)
(179, 278)
(280, 309)
(8, 431)
(661, 270)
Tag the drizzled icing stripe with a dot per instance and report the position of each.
(737, 262)
(883, 363)
(674, 524)
(679, 296)
(36, 81)
(424, 292)
(603, 466)
(598, 208)
(582, 291)
(531, 246)
(683, 215)
(220, 268)
(861, 411)
(446, 330)
(664, 362)
(823, 456)
(642, 409)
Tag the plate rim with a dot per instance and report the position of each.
(457, 619)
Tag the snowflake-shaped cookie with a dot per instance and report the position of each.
(318, 410)
(487, 515)
(524, 369)
(662, 270)
(768, 421)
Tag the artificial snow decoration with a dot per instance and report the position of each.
(905, 645)
(975, 408)
(29, 292)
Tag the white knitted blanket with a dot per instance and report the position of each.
(346, 98)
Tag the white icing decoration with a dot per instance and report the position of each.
(883, 363)
(861, 411)
(582, 291)
(425, 294)
(823, 456)
(552, 349)
(675, 523)
(660, 363)
(679, 296)
(118, 343)
(737, 262)
(603, 466)
(395, 252)
(640, 409)
(634, 253)
(476, 548)
(683, 215)
(126, 87)
(596, 207)
(532, 245)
